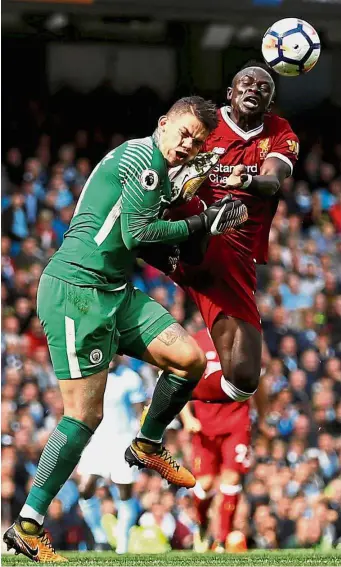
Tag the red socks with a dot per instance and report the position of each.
(230, 494)
(202, 502)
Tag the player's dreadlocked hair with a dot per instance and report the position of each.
(204, 110)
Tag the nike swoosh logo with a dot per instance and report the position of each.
(214, 228)
(33, 552)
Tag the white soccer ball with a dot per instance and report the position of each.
(291, 47)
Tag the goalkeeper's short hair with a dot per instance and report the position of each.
(204, 110)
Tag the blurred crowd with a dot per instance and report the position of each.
(292, 495)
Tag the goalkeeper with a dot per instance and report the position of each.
(88, 306)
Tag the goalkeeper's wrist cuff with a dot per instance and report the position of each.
(195, 223)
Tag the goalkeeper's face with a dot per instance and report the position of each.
(181, 137)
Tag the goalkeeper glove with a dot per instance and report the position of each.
(193, 250)
(221, 217)
(163, 257)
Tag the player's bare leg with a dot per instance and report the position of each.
(127, 515)
(230, 489)
(90, 508)
(203, 494)
(83, 398)
(87, 486)
(83, 411)
(239, 346)
(183, 364)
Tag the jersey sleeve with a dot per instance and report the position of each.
(136, 391)
(142, 173)
(285, 145)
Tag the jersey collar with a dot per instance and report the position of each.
(225, 113)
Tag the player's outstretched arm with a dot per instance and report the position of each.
(267, 184)
(142, 178)
(277, 165)
(272, 174)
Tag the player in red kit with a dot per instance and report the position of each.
(223, 286)
(221, 436)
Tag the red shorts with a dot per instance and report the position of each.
(213, 455)
(224, 283)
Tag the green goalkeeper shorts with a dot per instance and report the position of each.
(86, 326)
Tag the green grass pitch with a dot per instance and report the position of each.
(252, 559)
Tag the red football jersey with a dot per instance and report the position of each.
(222, 416)
(273, 138)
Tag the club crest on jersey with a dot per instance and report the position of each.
(293, 146)
(264, 146)
(96, 356)
(149, 179)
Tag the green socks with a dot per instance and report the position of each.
(58, 460)
(170, 395)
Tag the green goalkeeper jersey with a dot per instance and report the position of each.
(118, 210)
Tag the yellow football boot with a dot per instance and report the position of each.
(37, 547)
(148, 454)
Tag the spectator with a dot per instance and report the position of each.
(67, 158)
(275, 329)
(158, 516)
(335, 324)
(298, 385)
(14, 219)
(308, 335)
(285, 526)
(14, 165)
(327, 518)
(30, 254)
(60, 191)
(328, 457)
(288, 353)
(307, 534)
(61, 223)
(310, 363)
(293, 296)
(35, 335)
(47, 237)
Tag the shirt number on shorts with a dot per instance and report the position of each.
(242, 454)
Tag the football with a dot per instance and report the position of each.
(291, 47)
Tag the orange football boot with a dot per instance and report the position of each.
(37, 547)
(151, 455)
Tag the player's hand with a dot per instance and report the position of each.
(224, 215)
(193, 250)
(192, 424)
(219, 218)
(268, 431)
(237, 177)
